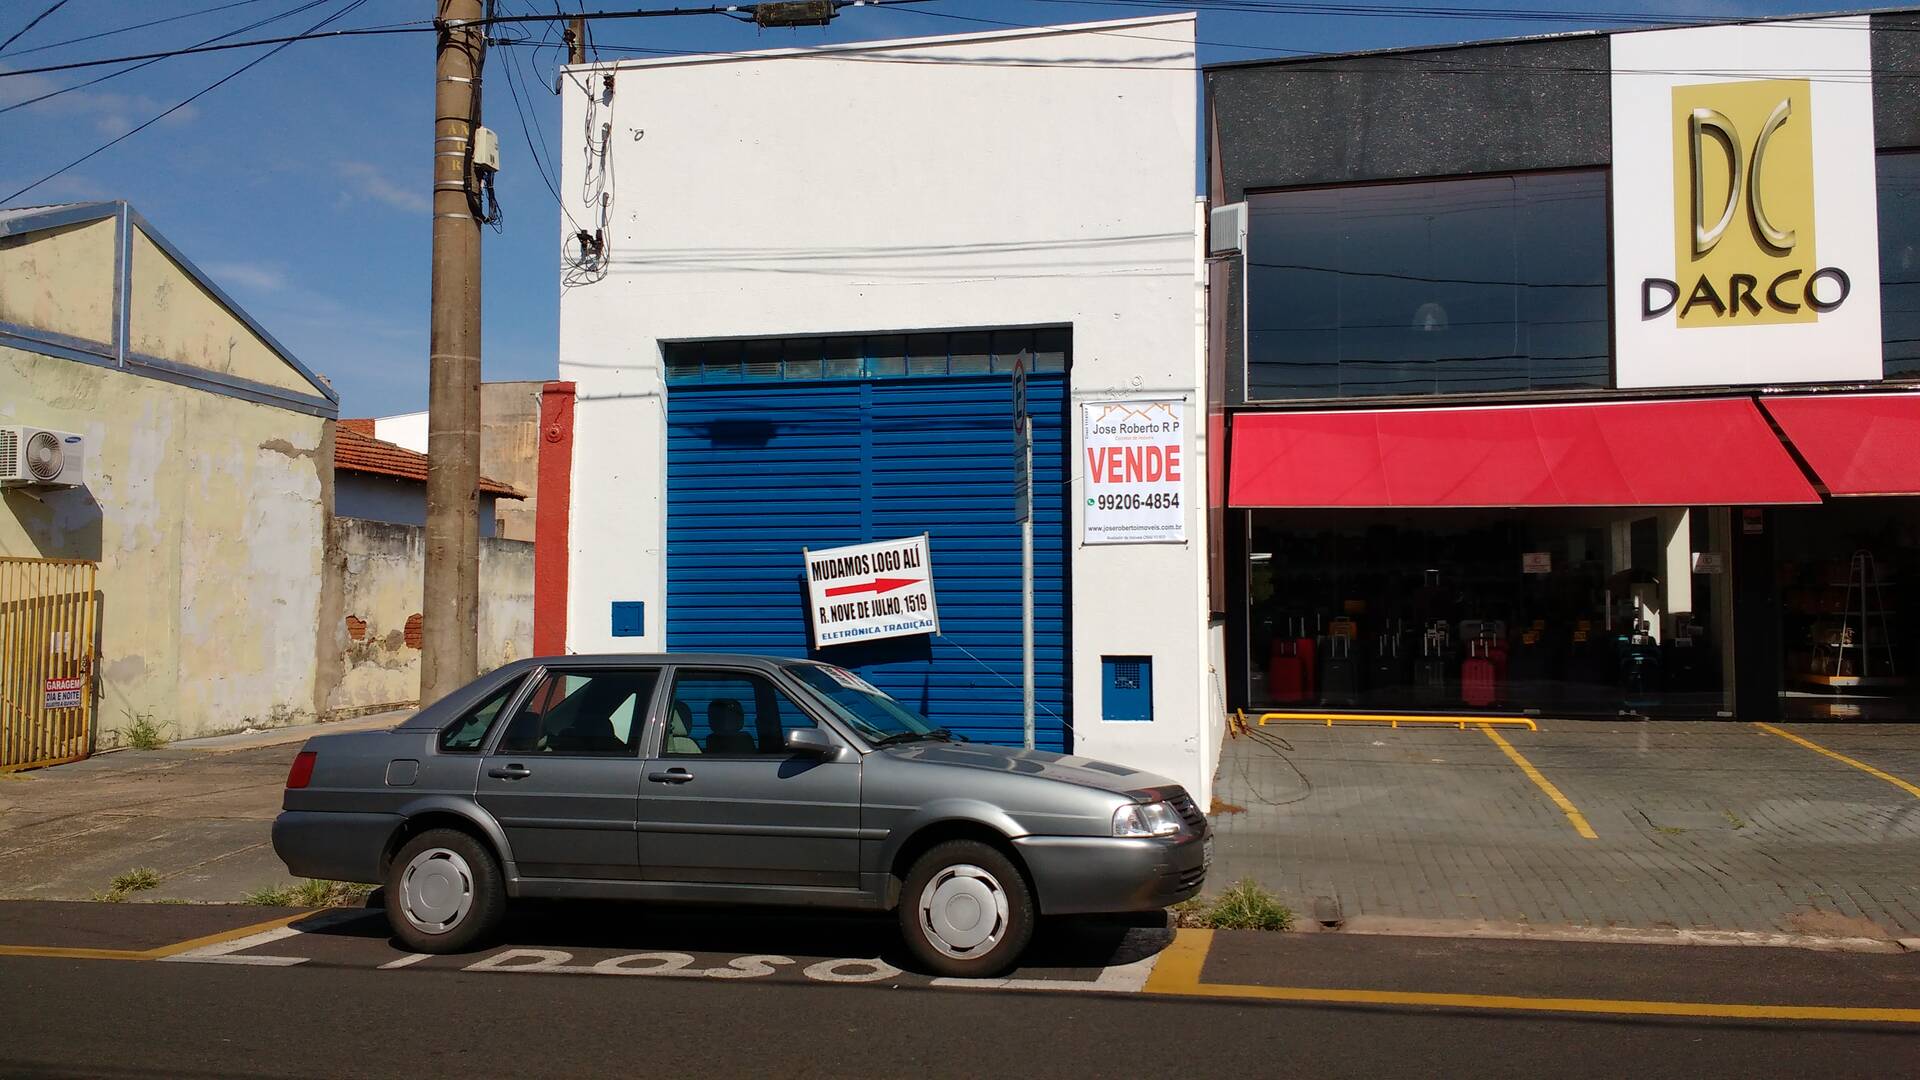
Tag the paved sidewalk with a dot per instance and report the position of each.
(196, 812)
(1697, 826)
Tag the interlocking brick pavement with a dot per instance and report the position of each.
(1708, 826)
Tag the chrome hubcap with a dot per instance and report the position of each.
(436, 891)
(964, 911)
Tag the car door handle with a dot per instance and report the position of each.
(510, 772)
(671, 776)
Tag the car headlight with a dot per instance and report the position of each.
(1146, 819)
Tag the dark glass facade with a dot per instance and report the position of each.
(1477, 285)
(1899, 183)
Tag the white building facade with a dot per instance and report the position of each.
(815, 272)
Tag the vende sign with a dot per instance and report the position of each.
(1133, 472)
(871, 591)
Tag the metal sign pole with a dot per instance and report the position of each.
(1026, 596)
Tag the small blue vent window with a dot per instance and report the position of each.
(1126, 688)
(629, 618)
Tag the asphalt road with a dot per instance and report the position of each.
(338, 999)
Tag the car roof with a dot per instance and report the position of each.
(572, 660)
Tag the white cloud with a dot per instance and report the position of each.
(369, 181)
(110, 112)
(251, 276)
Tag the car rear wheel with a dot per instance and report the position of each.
(966, 910)
(444, 892)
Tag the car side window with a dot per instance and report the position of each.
(466, 734)
(729, 714)
(583, 712)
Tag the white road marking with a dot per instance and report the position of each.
(410, 958)
(1125, 978)
(221, 952)
(875, 970)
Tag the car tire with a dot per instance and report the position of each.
(966, 910)
(444, 892)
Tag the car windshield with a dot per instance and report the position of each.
(877, 716)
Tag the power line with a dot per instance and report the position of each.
(148, 63)
(222, 81)
(31, 23)
(136, 26)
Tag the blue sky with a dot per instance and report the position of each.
(301, 185)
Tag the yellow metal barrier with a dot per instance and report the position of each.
(1394, 719)
(47, 621)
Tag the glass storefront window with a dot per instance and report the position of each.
(1846, 577)
(1899, 182)
(1562, 611)
(1436, 287)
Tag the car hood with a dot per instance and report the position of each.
(1042, 764)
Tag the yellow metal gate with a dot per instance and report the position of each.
(47, 620)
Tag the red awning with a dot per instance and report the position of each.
(1708, 452)
(1858, 444)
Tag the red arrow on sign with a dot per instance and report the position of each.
(876, 586)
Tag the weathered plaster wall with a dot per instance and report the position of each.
(377, 567)
(174, 317)
(60, 280)
(510, 451)
(205, 514)
(396, 501)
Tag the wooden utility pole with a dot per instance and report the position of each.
(576, 36)
(449, 637)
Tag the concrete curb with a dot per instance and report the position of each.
(1614, 935)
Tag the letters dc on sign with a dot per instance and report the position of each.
(1133, 472)
(870, 591)
(1746, 233)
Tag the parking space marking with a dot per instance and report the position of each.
(1118, 979)
(1842, 758)
(1179, 974)
(1566, 806)
(405, 961)
(163, 952)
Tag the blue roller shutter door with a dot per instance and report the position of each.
(758, 471)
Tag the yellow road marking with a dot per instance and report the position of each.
(1842, 758)
(1395, 719)
(1177, 972)
(1566, 807)
(161, 952)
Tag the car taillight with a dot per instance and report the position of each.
(302, 770)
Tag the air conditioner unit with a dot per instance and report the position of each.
(36, 457)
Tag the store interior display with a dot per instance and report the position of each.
(1559, 611)
(1844, 573)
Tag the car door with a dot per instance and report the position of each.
(563, 778)
(725, 802)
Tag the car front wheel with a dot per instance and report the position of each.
(444, 892)
(966, 910)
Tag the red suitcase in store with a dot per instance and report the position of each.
(1479, 680)
(1285, 681)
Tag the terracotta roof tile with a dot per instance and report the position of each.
(354, 450)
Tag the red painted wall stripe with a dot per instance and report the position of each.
(553, 519)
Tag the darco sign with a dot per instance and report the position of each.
(870, 591)
(1745, 210)
(1745, 228)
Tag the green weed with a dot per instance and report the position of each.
(139, 879)
(312, 893)
(145, 734)
(1243, 906)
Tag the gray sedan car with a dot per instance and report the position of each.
(729, 779)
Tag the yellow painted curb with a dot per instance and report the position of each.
(1177, 972)
(159, 953)
(1842, 758)
(1540, 781)
(1393, 719)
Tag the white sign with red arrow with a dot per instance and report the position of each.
(871, 591)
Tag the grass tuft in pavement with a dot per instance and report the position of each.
(138, 879)
(1243, 906)
(312, 892)
(145, 734)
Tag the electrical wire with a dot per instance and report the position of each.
(31, 23)
(136, 26)
(169, 111)
(149, 63)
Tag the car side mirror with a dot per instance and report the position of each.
(811, 741)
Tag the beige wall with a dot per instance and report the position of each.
(60, 280)
(205, 514)
(374, 569)
(172, 316)
(510, 451)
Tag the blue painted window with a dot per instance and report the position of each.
(1126, 688)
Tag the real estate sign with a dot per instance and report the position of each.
(870, 591)
(1133, 472)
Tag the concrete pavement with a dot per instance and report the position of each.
(1698, 828)
(196, 812)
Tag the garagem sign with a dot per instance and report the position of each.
(1746, 245)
